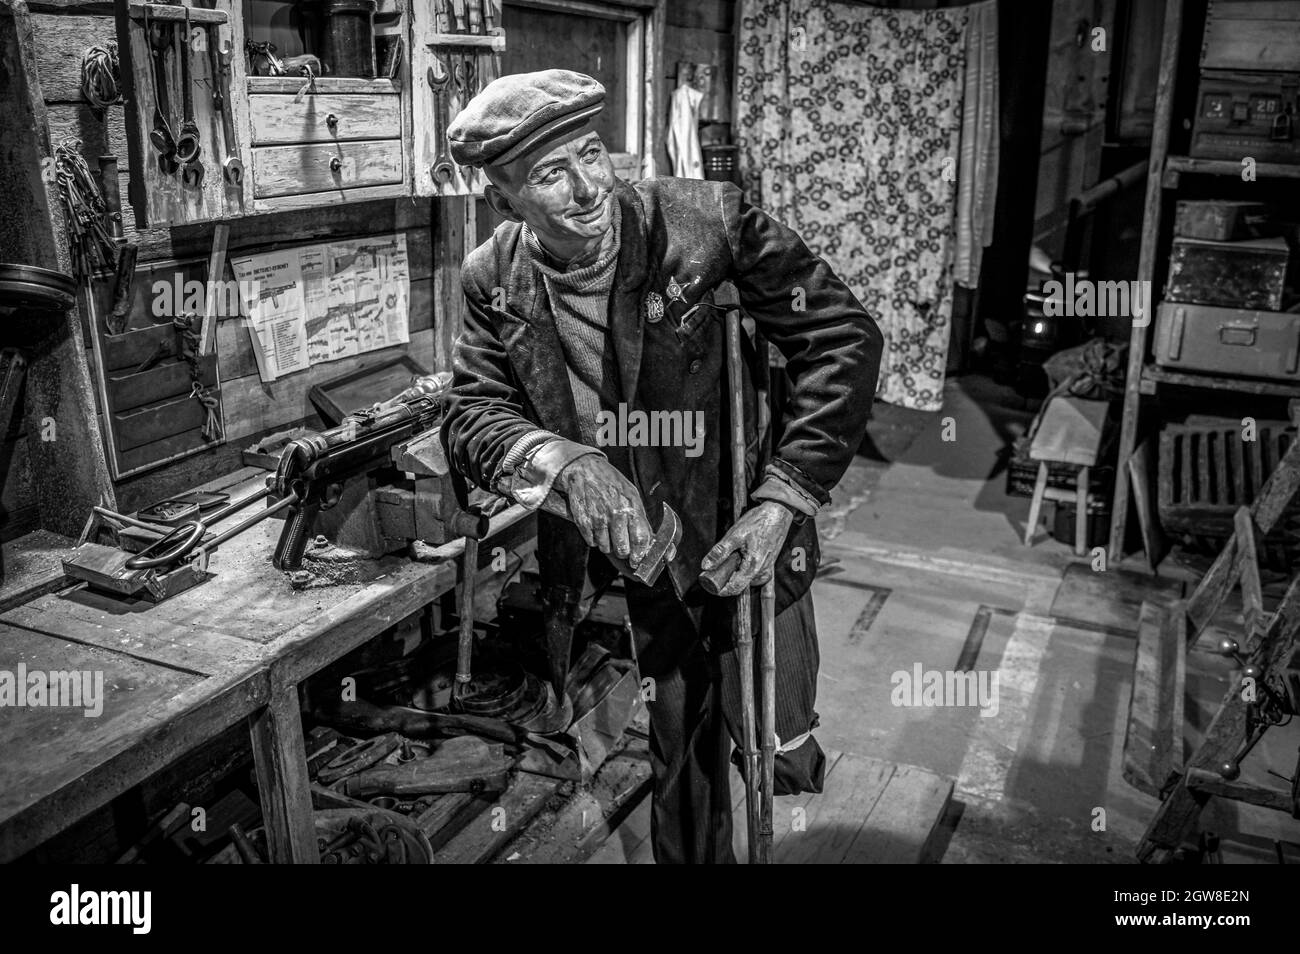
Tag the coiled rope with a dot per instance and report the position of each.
(100, 84)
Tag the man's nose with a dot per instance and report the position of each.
(585, 186)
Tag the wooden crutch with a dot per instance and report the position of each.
(767, 637)
(767, 698)
(715, 579)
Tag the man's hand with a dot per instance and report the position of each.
(758, 534)
(606, 508)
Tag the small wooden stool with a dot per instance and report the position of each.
(1070, 432)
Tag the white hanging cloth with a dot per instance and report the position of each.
(684, 133)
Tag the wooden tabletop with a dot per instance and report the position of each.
(178, 672)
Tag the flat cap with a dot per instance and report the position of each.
(517, 113)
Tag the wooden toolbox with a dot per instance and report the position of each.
(1234, 341)
(1223, 220)
(1248, 102)
(1206, 472)
(1251, 35)
(1249, 274)
(1243, 113)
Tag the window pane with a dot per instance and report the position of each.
(545, 39)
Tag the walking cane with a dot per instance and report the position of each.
(767, 640)
(767, 665)
(758, 840)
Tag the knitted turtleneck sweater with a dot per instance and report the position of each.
(578, 299)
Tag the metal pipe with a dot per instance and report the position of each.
(160, 528)
(238, 505)
(465, 640)
(1092, 197)
(244, 524)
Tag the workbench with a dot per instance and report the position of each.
(177, 673)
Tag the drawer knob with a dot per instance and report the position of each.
(336, 164)
(332, 122)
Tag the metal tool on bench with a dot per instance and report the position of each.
(174, 562)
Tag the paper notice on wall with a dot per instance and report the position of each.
(351, 297)
(271, 286)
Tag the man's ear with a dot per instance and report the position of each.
(500, 203)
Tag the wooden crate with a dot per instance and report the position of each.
(1206, 471)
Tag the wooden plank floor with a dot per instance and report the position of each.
(570, 834)
(871, 812)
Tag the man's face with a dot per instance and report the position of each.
(562, 191)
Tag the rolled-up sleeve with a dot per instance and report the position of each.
(530, 474)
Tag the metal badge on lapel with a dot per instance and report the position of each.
(675, 290)
(654, 307)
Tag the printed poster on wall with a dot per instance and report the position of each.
(319, 303)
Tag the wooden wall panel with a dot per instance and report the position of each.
(62, 30)
(98, 137)
(236, 348)
(255, 407)
(71, 472)
(1074, 115)
(60, 41)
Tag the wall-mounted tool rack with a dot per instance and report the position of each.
(181, 69)
(456, 51)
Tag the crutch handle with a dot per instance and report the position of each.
(714, 580)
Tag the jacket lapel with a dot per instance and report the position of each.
(528, 329)
(626, 296)
(532, 342)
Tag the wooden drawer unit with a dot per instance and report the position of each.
(280, 119)
(337, 140)
(325, 167)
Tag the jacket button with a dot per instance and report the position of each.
(695, 366)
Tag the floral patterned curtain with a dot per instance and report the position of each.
(849, 118)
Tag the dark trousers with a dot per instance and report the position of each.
(695, 720)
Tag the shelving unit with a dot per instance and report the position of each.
(1165, 174)
(1176, 165)
(1153, 376)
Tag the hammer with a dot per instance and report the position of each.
(662, 547)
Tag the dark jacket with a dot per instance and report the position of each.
(510, 373)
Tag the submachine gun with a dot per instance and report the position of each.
(351, 478)
(374, 484)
